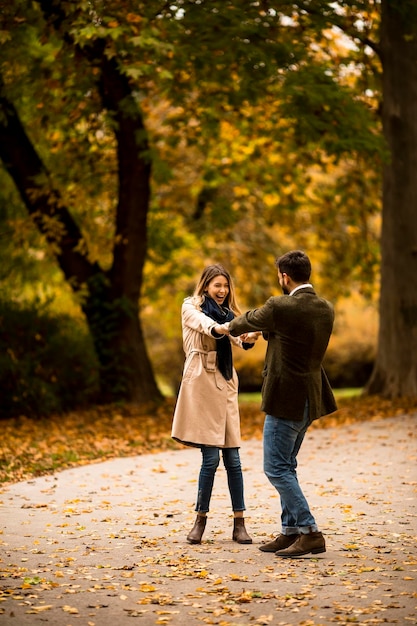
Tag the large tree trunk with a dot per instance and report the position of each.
(395, 371)
(125, 369)
(111, 304)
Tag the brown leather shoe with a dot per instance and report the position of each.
(305, 544)
(197, 530)
(279, 543)
(239, 531)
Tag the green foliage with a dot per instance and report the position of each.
(235, 122)
(325, 114)
(47, 362)
(262, 137)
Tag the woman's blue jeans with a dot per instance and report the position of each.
(282, 442)
(211, 460)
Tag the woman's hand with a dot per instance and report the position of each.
(222, 329)
(250, 337)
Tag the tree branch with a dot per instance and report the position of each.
(134, 165)
(43, 201)
(340, 22)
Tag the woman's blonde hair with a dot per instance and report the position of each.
(210, 272)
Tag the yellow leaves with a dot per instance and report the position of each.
(246, 596)
(70, 609)
(56, 135)
(71, 511)
(40, 609)
(238, 577)
(146, 587)
(288, 189)
(165, 616)
(133, 18)
(229, 132)
(350, 547)
(97, 434)
(240, 191)
(369, 568)
(271, 199)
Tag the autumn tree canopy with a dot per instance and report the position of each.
(140, 135)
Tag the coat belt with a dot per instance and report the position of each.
(211, 358)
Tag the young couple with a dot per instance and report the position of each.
(295, 392)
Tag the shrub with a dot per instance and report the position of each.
(349, 366)
(47, 362)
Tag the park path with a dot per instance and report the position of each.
(104, 544)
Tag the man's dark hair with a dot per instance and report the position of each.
(296, 265)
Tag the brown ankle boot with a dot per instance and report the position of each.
(279, 543)
(239, 531)
(312, 543)
(197, 530)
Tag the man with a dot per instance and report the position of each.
(295, 392)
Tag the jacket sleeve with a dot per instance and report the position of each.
(197, 320)
(256, 319)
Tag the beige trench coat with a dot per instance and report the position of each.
(206, 412)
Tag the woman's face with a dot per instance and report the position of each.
(218, 289)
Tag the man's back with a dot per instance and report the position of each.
(302, 324)
(298, 329)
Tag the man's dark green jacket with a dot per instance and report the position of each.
(298, 329)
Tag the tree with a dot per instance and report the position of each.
(388, 28)
(384, 34)
(82, 80)
(395, 372)
(111, 296)
(382, 53)
(95, 48)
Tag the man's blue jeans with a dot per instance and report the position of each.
(282, 442)
(211, 460)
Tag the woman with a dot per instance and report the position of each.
(207, 414)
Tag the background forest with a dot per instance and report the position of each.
(140, 141)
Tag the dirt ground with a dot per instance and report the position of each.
(104, 544)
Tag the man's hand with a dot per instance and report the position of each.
(250, 337)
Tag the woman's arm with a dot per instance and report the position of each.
(193, 318)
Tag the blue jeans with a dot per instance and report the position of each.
(211, 460)
(282, 442)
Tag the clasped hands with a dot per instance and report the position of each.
(223, 329)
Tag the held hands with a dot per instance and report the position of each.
(222, 329)
(250, 337)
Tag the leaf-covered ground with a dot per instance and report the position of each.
(105, 543)
(32, 447)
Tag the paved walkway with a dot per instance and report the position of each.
(104, 544)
